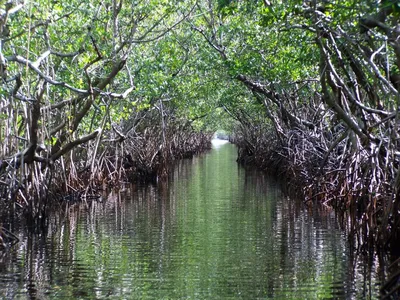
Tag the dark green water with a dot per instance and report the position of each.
(216, 231)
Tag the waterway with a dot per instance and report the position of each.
(215, 231)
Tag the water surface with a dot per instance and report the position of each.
(215, 231)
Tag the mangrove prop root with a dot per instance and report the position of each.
(7, 238)
(324, 167)
(144, 154)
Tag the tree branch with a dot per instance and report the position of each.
(68, 147)
(32, 66)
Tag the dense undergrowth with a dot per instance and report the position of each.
(145, 152)
(320, 166)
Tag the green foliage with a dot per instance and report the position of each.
(186, 54)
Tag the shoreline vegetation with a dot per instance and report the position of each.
(143, 155)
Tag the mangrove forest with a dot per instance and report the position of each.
(99, 95)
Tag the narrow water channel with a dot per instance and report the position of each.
(215, 231)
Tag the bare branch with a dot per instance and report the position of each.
(119, 96)
(31, 65)
(36, 64)
(72, 54)
(68, 147)
(216, 47)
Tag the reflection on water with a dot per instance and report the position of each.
(215, 231)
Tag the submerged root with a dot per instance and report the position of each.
(324, 167)
(144, 154)
(391, 288)
(7, 239)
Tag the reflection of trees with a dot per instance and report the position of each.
(306, 248)
(216, 229)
